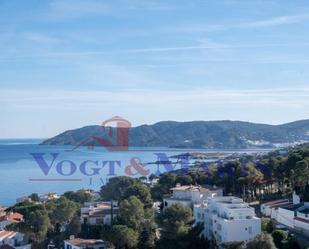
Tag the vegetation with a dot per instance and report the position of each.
(137, 226)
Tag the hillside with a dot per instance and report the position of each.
(198, 134)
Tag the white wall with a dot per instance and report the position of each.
(285, 217)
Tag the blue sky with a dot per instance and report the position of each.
(71, 63)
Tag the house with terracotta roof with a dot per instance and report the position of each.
(9, 218)
(76, 243)
(98, 213)
(13, 239)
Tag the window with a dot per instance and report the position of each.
(250, 230)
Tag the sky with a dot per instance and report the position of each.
(65, 64)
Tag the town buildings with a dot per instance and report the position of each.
(227, 219)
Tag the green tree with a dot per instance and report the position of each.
(302, 172)
(279, 236)
(175, 221)
(267, 225)
(123, 237)
(37, 224)
(116, 187)
(262, 241)
(34, 197)
(74, 227)
(147, 237)
(131, 212)
(61, 210)
(142, 192)
(80, 196)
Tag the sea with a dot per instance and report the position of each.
(27, 167)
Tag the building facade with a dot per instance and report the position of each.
(227, 219)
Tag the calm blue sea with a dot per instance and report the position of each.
(21, 174)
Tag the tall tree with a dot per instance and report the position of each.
(131, 212)
(123, 237)
(175, 221)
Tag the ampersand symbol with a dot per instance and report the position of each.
(139, 168)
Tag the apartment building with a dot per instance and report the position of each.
(227, 219)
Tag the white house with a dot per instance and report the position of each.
(227, 219)
(98, 213)
(270, 208)
(189, 195)
(13, 239)
(76, 243)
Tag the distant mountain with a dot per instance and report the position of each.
(198, 134)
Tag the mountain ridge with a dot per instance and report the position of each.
(217, 134)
